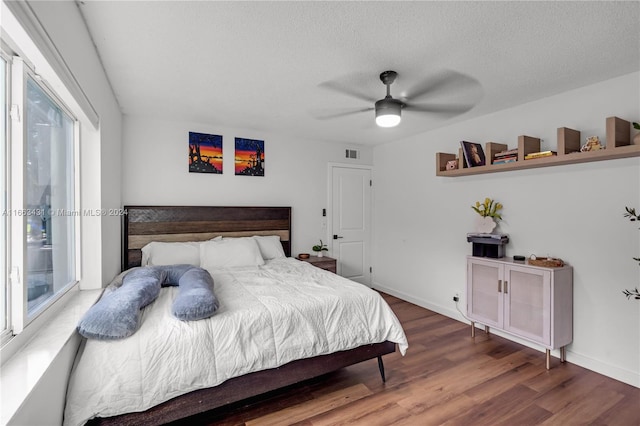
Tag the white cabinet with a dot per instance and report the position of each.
(532, 302)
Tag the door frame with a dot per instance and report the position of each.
(329, 217)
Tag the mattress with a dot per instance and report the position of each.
(268, 316)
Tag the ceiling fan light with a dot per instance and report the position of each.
(388, 112)
(388, 120)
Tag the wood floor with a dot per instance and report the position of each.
(446, 378)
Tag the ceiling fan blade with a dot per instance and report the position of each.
(346, 90)
(452, 109)
(450, 80)
(343, 113)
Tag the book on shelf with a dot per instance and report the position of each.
(506, 153)
(540, 154)
(473, 154)
(505, 160)
(514, 155)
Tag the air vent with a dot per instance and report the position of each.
(352, 153)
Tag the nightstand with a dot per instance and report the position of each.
(323, 262)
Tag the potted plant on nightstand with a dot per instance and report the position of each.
(319, 248)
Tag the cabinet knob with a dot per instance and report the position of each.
(499, 286)
(506, 287)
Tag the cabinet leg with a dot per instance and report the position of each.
(548, 359)
(473, 329)
(563, 354)
(486, 329)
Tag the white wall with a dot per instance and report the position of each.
(155, 172)
(573, 212)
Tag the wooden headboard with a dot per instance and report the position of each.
(143, 224)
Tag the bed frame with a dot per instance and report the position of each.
(143, 224)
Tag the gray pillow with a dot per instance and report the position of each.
(195, 299)
(117, 314)
(173, 273)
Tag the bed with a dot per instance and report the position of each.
(248, 294)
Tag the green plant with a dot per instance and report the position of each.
(636, 125)
(633, 216)
(488, 209)
(320, 247)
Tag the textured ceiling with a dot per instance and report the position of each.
(275, 66)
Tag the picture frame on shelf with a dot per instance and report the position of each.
(473, 154)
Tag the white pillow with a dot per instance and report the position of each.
(230, 252)
(157, 253)
(270, 246)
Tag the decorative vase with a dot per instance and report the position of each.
(320, 253)
(636, 139)
(484, 225)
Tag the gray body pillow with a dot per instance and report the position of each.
(117, 314)
(195, 299)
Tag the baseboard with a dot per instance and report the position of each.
(621, 374)
(446, 311)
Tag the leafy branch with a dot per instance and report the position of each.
(630, 212)
(632, 293)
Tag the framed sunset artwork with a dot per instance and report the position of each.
(249, 158)
(205, 153)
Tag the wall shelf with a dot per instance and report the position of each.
(618, 145)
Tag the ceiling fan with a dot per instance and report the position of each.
(388, 110)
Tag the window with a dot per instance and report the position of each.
(49, 198)
(42, 103)
(38, 177)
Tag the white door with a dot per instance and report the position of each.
(351, 221)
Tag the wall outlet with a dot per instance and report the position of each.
(456, 297)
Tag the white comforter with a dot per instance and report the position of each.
(269, 316)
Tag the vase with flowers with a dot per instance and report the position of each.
(489, 212)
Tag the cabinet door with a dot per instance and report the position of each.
(527, 293)
(484, 292)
